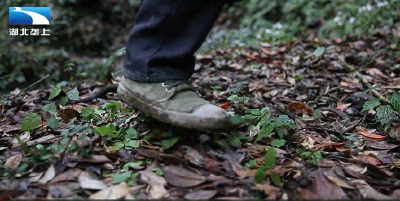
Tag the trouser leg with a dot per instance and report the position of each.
(165, 36)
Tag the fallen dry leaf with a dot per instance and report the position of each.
(382, 145)
(181, 177)
(224, 106)
(57, 191)
(24, 138)
(243, 173)
(341, 182)
(156, 189)
(343, 106)
(394, 132)
(67, 114)
(49, 175)
(35, 176)
(396, 194)
(201, 195)
(371, 135)
(308, 195)
(70, 175)
(368, 192)
(368, 159)
(327, 189)
(92, 159)
(267, 188)
(376, 72)
(88, 181)
(113, 192)
(299, 108)
(13, 162)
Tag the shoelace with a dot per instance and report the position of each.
(173, 83)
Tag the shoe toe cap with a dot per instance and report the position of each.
(213, 115)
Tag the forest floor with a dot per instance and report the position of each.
(311, 119)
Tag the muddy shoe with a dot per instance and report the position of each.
(173, 102)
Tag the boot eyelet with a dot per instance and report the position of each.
(167, 90)
(163, 84)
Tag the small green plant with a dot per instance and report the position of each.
(281, 125)
(384, 112)
(313, 157)
(239, 101)
(169, 140)
(269, 164)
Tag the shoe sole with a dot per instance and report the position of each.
(184, 120)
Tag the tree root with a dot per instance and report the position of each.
(100, 94)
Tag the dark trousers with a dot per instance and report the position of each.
(165, 36)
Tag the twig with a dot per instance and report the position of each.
(101, 94)
(352, 127)
(280, 109)
(364, 82)
(33, 84)
(37, 82)
(65, 151)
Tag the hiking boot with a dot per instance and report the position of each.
(175, 103)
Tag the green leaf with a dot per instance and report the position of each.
(280, 121)
(269, 158)
(234, 141)
(113, 106)
(131, 133)
(158, 171)
(317, 114)
(330, 47)
(133, 165)
(132, 143)
(236, 119)
(55, 91)
(30, 122)
(256, 112)
(87, 113)
(305, 154)
(352, 138)
(63, 100)
(118, 178)
(261, 174)
(282, 131)
(250, 164)
(106, 129)
(119, 145)
(371, 104)
(395, 101)
(233, 97)
(317, 155)
(319, 51)
(278, 142)
(370, 89)
(22, 168)
(52, 123)
(383, 114)
(73, 94)
(276, 179)
(166, 144)
(264, 132)
(51, 107)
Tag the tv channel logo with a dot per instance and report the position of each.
(29, 15)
